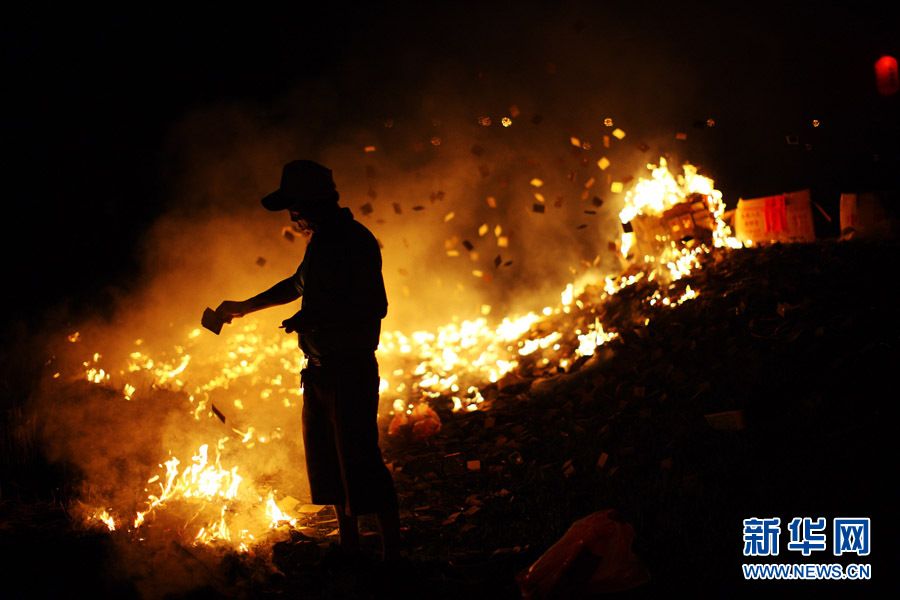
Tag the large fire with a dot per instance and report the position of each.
(233, 504)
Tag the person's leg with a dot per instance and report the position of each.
(348, 526)
(322, 463)
(368, 483)
(389, 527)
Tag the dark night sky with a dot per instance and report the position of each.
(89, 97)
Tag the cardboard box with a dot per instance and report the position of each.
(865, 215)
(782, 218)
(690, 219)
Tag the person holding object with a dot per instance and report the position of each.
(339, 325)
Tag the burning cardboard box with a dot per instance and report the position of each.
(667, 218)
(782, 218)
(688, 220)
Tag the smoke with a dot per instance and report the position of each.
(556, 73)
(439, 188)
(477, 170)
(478, 174)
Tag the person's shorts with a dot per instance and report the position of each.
(340, 434)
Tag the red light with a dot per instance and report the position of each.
(886, 75)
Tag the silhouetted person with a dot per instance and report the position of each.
(339, 325)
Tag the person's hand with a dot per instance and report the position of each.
(230, 309)
(298, 323)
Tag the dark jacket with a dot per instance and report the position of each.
(342, 288)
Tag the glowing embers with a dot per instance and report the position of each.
(658, 298)
(103, 516)
(593, 339)
(470, 350)
(94, 373)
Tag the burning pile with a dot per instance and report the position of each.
(224, 489)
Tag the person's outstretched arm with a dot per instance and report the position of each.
(281, 293)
